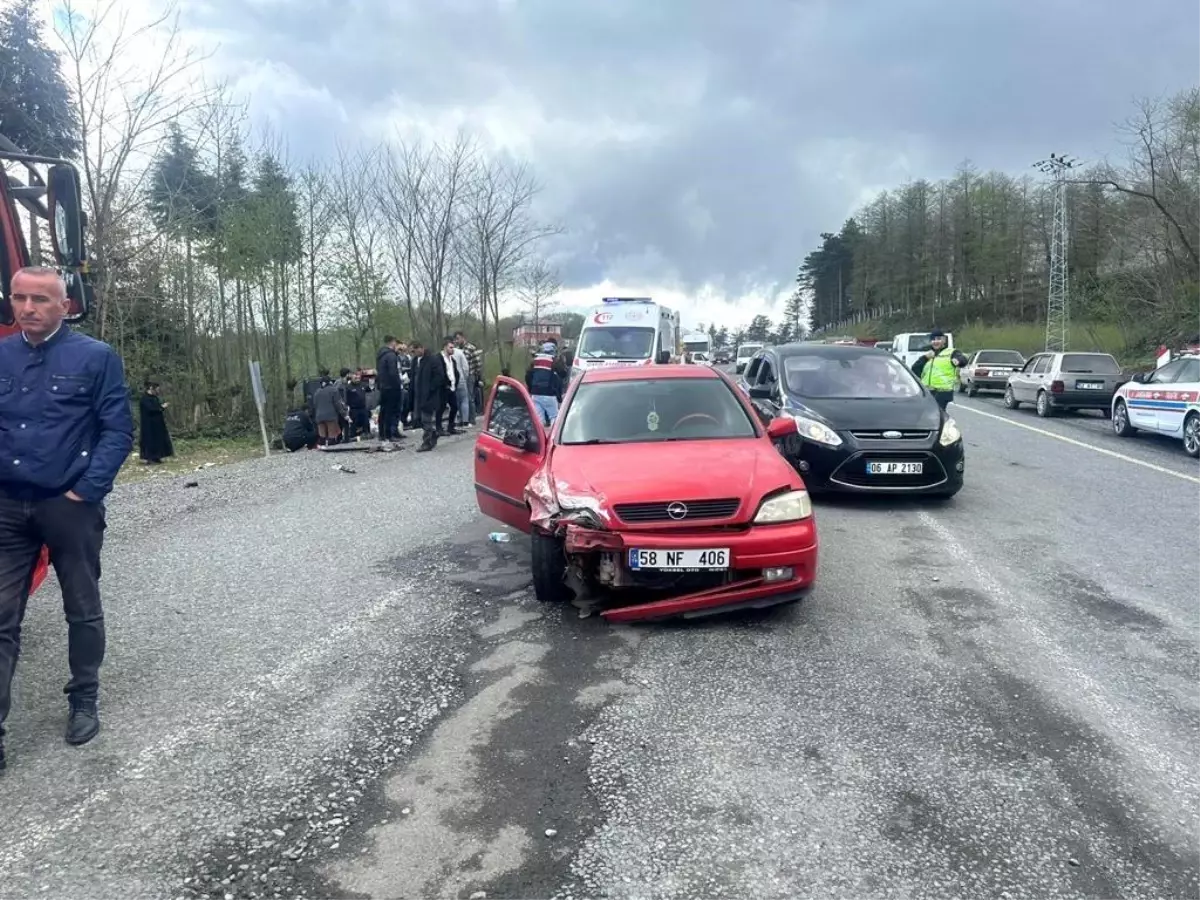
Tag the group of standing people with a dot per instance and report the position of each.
(439, 390)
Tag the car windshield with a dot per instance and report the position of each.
(1089, 364)
(654, 409)
(1000, 358)
(863, 376)
(748, 350)
(616, 343)
(919, 343)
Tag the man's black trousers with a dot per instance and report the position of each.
(74, 532)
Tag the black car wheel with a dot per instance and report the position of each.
(972, 390)
(1044, 409)
(1010, 401)
(1120, 421)
(548, 564)
(1191, 434)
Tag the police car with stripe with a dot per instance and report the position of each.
(1165, 401)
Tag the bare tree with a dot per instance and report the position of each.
(503, 234)
(316, 208)
(361, 269)
(537, 286)
(123, 110)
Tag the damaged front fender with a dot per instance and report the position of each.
(555, 505)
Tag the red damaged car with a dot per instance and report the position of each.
(658, 492)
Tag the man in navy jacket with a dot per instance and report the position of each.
(65, 430)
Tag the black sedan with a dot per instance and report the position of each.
(865, 423)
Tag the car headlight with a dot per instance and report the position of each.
(790, 507)
(950, 433)
(812, 430)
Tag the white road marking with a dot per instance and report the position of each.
(1066, 440)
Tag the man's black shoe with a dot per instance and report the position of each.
(84, 723)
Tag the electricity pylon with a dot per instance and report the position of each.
(1058, 310)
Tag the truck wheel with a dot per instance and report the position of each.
(548, 564)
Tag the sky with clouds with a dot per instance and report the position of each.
(695, 149)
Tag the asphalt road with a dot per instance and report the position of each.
(324, 683)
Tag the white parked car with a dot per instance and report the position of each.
(1165, 401)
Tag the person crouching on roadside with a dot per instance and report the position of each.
(545, 384)
(329, 411)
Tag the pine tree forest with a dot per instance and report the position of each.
(212, 245)
(975, 249)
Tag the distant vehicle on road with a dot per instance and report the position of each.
(910, 345)
(698, 342)
(626, 331)
(745, 353)
(988, 370)
(1165, 401)
(1053, 382)
(884, 345)
(656, 487)
(864, 422)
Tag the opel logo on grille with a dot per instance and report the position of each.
(677, 510)
(892, 435)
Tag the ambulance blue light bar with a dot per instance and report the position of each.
(628, 300)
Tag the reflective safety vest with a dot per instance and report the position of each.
(939, 373)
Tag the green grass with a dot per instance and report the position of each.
(1028, 338)
(191, 453)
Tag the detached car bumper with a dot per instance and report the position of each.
(768, 565)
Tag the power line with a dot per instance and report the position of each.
(1058, 310)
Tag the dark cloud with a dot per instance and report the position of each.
(707, 141)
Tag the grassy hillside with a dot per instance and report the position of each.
(1026, 337)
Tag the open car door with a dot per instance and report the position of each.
(509, 449)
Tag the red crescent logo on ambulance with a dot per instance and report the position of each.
(602, 318)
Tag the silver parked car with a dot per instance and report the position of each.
(988, 370)
(1058, 381)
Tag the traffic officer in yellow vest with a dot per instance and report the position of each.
(937, 368)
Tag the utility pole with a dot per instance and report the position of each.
(1058, 311)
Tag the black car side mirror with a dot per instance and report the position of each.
(761, 391)
(663, 358)
(1140, 377)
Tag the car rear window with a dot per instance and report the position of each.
(920, 342)
(1090, 363)
(1000, 358)
(654, 409)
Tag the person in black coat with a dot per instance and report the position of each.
(391, 389)
(299, 430)
(154, 441)
(429, 394)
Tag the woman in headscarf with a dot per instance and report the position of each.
(154, 439)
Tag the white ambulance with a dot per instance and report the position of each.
(627, 331)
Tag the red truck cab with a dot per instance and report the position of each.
(54, 196)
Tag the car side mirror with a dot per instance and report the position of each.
(780, 427)
(1140, 377)
(663, 358)
(761, 391)
(65, 203)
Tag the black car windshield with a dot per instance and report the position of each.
(1090, 363)
(854, 376)
(654, 409)
(1000, 358)
(616, 343)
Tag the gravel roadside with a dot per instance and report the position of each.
(275, 635)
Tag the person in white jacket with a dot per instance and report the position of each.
(462, 387)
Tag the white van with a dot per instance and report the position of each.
(910, 345)
(745, 353)
(627, 331)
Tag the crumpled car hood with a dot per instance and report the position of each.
(609, 474)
